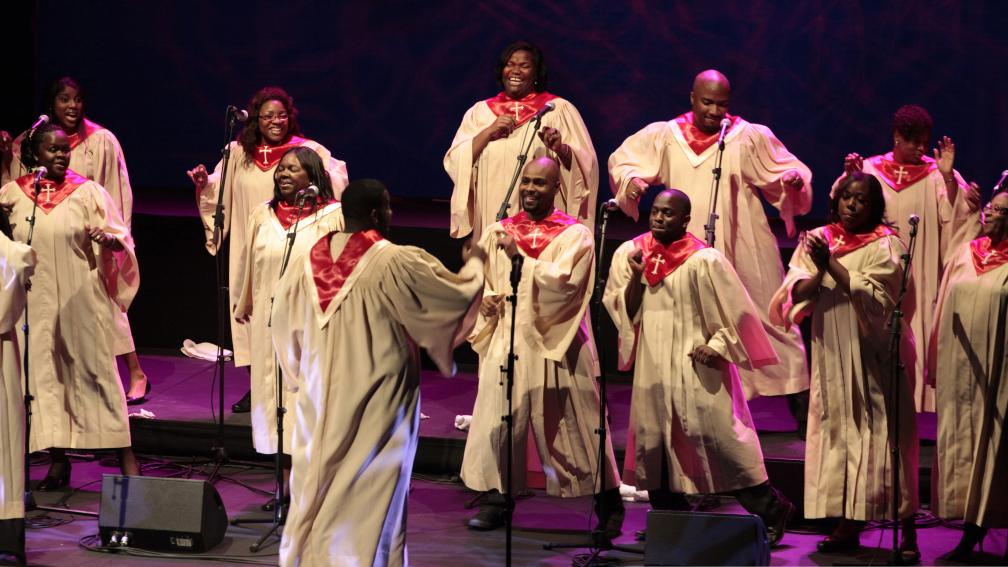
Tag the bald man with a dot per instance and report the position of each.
(554, 381)
(687, 326)
(681, 153)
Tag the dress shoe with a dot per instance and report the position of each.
(610, 512)
(243, 405)
(57, 481)
(640, 535)
(135, 401)
(775, 532)
(489, 517)
(963, 552)
(909, 553)
(839, 544)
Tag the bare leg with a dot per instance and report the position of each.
(138, 380)
(128, 463)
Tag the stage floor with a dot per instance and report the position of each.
(182, 426)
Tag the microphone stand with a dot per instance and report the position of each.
(507, 372)
(506, 203)
(219, 452)
(895, 368)
(279, 506)
(599, 542)
(715, 187)
(29, 500)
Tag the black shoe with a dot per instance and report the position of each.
(130, 401)
(640, 535)
(963, 552)
(12, 542)
(57, 481)
(271, 504)
(611, 512)
(489, 517)
(838, 545)
(775, 532)
(243, 405)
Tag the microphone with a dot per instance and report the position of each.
(40, 172)
(913, 220)
(42, 120)
(237, 114)
(1001, 182)
(725, 123)
(547, 108)
(309, 192)
(610, 205)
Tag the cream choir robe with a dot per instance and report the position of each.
(847, 458)
(260, 270)
(969, 362)
(754, 162)
(97, 155)
(693, 414)
(480, 187)
(248, 186)
(554, 379)
(357, 412)
(79, 400)
(943, 227)
(17, 262)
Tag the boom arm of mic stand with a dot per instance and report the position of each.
(506, 203)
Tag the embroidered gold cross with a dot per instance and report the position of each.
(838, 242)
(989, 257)
(517, 107)
(658, 260)
(265, 152)
(535, 234)
(899, 174)
(48, 189)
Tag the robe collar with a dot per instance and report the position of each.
(899, 176)
(286, 214)
(522, 109)
(50, 194)
(661, 260)
(985, 257)
(82, 134)
(266, 156)
(842, 242)
(532, 237)
(329, 274)
(697, 139)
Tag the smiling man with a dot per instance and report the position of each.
(554, 381)
(681, 153)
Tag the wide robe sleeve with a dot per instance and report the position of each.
(337, 169)
(627, 325)
(458, 163)
(430, 301)
(120, 271)
(640, 155)
(17, 264)
(257, 221)
(784, 312)
(580, 182)
(110, 172)
(206, 198)
(764, 166)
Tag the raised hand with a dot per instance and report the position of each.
(199, 176)
(853, 162)
(793, 180)
(818, 250)
(973, 197)
(636, 261)
(944, 155)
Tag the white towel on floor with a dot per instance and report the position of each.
(202, 351)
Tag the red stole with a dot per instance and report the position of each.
(899, 176)
(842, 242)
(266, 156)
(50, 194)
(288, 214)
(986, 258)
(523, 109)
(534, 236)
(329, 274)
(661, 260)
(77, 137)
(697, 139)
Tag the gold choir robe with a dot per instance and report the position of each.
(943, 227)
(554, 380)
(754, 163)
(693, 415)
(968, 361)
(247, 187)
(17, 262)
(260, 270)
(350, 347)
(480, 186)
(847, 458)
(78, 285)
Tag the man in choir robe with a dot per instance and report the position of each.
(347, 325)
(17, 262)
(684, 317)
(680, 153)
(916, 184)
(554, 391)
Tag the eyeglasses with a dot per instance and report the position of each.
(282, 117)
(989, 208)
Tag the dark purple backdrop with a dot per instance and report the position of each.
(384, 85)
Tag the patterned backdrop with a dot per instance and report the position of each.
(384, 84)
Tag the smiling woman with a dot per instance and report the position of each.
(481, 159)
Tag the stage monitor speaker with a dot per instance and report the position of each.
(701, 538)
(160, 514)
